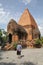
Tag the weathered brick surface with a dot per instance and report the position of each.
(14, 38)
(29, 24)
(26, 25)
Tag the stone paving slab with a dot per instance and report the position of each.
(29, 57)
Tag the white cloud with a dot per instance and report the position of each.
(33, 3)
(40, 27)
(40, 24)
(40, 21)
(6, 29)
(4, 17)
(41, 30)
(17, 16)
(0, 4)
(25, 1)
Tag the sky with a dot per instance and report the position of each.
(13, 9)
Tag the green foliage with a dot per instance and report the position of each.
(15, 45)
(42, 40)
(0, 33)
(38, 41)
(4, 38)
(4, 32)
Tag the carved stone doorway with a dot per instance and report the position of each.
(10, 38)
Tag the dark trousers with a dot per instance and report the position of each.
(18, 52)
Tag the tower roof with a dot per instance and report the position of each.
(27, 19)
(13, 26)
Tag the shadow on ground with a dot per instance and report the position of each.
(25, 63)
(1, 54)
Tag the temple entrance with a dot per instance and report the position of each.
(39, 35)
(10, 38)
(21, 35)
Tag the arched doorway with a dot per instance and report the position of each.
(10, 38)
(22, 35)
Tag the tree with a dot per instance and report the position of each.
(0, 33)
(3, 36)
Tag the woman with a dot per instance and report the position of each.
(19, 48)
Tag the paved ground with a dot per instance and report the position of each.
(29, 57)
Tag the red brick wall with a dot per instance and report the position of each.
(14, 38)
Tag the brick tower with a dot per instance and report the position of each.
(29, 24)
